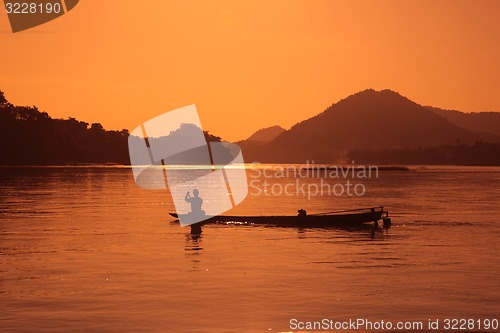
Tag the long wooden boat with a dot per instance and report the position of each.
(356, 217)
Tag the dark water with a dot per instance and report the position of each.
(85, 249)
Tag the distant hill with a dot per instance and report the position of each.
(487, 122)
(254, 147)
(266, 134)
(368, 120)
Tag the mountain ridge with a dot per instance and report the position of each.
(368, 119)
(487, 122)
(266, 134)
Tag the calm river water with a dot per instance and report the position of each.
(86, 250)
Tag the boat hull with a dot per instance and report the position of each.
(333, 220)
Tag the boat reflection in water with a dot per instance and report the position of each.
(193, 246)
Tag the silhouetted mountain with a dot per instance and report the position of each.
(368, 127)
(31, 137)
(366, 120)
(254, 146)
(487, 122)
(266, 134)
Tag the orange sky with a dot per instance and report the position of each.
(250, 64)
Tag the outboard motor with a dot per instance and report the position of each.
(302, 212)
(387, 221)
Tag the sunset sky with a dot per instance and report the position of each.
(250, 64)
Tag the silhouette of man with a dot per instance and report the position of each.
(195, 202)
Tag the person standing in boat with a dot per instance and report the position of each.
(195, 202)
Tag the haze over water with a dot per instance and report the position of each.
(85, 249)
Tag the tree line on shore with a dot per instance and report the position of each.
(31, 137)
